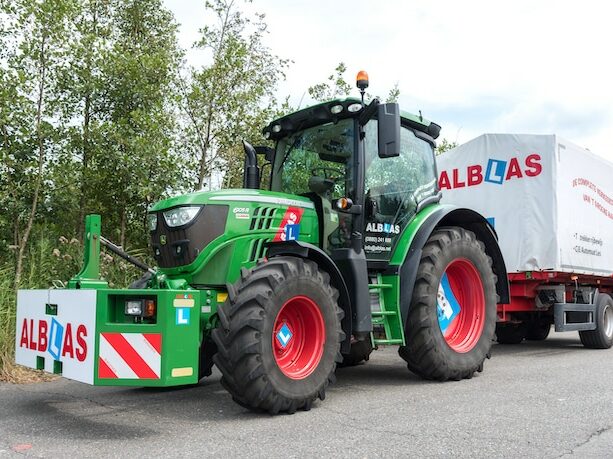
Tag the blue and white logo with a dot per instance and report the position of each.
(447, 306)
(284, 336)
(56, 338)
(292, 231)
(182, 316)
(495, 171)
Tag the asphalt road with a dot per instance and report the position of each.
(549, 399)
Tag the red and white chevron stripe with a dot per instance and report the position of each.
(130, 356)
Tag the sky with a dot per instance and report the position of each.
(472, 66)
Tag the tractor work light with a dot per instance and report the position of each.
(140, 308)
(180, 216)
(152, 221)
(276, 128)
(149, 311)
(354, 108)
(134, 307)
(336, 109)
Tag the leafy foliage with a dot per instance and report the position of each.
(95, 119)
(336, 86)
(444, 146)
(232, 97)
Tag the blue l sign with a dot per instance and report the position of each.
(292, 232)
(182, 316)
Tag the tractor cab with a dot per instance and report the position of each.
(367, 169)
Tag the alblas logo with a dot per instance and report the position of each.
(58, 339)
(382, 228)
(497, 171)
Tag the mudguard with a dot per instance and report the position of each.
(451, 216)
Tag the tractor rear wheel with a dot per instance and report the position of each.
(279, 336)
(602, 337)
(452, 317)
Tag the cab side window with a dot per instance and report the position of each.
(395, 186)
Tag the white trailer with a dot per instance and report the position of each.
(551, 204)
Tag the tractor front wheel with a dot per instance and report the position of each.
(452, 316)
(279, 336)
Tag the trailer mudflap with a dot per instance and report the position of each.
(86, 336)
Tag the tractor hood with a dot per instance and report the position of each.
(232, 196)
(201, 237)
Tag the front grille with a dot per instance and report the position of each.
(262, 218)
(180, 246)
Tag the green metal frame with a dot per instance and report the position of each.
(89, 276)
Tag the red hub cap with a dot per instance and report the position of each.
(461, 305)
(298, 337)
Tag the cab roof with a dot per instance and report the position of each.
(322, 113)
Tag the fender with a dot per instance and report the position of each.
(311, 252)
(451, 216)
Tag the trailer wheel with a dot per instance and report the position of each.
(602, 337)
(452, 316)
(538, 330)
(279, 336)
(511, 333)
(360, 352)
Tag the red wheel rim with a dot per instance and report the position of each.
(298, 337)
(461, 305)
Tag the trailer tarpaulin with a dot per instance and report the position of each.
(550, 201)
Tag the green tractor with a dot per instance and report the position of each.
(347, 249)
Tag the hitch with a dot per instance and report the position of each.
(89, 276)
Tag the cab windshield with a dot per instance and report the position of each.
(316, 160)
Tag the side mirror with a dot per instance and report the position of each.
(389, 130)
(269, 153)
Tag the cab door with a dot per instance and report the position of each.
(394, 187)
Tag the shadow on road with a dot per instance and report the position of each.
(79, 411)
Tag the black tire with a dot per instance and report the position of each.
(244, 338)
(511, 333)
(602, 337)
(427, 352)
(538, 330)
(360, 352)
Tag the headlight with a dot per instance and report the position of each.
(336, 109)
(180, 215)
(134, 307)
(152, 220)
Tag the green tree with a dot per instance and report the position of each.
(84, 108)
(135, 161)
(32, 57)
(230, 98)
(445, 145)
(336, 86)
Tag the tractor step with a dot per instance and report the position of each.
(385, 313)
(387, 341)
